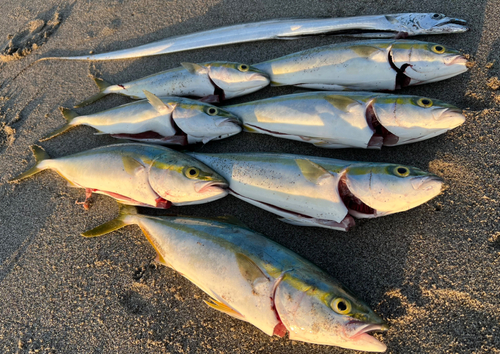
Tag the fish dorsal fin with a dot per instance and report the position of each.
(132, 166)
(158, 104)
(219, 306)
(341, 102)
(229, 219)
(194, 68)
(249, 270)
(365, 51)
(312, 171)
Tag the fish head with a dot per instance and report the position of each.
(183, 180)
(412, 118)
(325, 312)
(422, 62)
(427, 23)
(237, 79)
(377, 189)
(204, 122)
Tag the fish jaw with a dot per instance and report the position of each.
(207, 192)
(426, 23)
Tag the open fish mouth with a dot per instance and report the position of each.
(209, 187)
(362, 328)
(453, 21)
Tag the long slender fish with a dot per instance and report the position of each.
(377, 26)
(214, 81)
(324, 192)
(334, 120)
(166, 121)
(256, 280)
(135, 174)
(377, 64)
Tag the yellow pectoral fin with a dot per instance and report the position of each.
(340, 102)
(131, 165)
(248, 269)
(312, 171)
(224, 308)
(365, 51)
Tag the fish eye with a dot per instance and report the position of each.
(436, 16)
(425, 102)
(439, 49)
(243, 67)
(401, 171)
(341, 306)
(212, 111)
(191, 172)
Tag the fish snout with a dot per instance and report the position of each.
(427, 183)
(211, 186)
(456, 60)
(450, 118)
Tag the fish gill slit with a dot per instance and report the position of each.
(217, 90)
(402, 80)
(352, 202)
(381, 136)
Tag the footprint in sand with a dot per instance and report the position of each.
(29, 38)
(6, 136)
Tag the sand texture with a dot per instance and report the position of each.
(433, 272)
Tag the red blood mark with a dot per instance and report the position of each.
(280, 330)
(88, 195)
(162, 203)
(123, 87)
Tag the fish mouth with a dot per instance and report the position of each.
(362, 328)
(452, 117)
(455, 24)
(456, 60)
(427, 182)
(362, 340)
(211, 187)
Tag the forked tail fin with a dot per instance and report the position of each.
(115, 224)
(102, 85)
(69, 115)
(40, 156)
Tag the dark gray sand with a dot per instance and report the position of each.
(432, 272)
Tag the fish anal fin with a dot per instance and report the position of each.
(159, 259)
(312, 171)
(249, 270)
(341, 102)
(219, 306)
(194, 68)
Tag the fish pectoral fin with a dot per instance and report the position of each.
(132, 166)
(158, 104)
(312, 171)
(249, 270)
(219, 306)
(194, 68)
(365, 51)
(340, 102)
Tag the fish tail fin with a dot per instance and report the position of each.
(115, 224)
(102, 86)
(69, 115)
(40, 156)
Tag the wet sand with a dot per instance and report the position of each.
(432, 272)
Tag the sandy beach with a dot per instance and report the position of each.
(432, 272)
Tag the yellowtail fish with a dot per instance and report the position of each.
(166, 120)
(135, 174)
(324, 192)
(256, 280)
(214, 81)
(375, 26)
(366, 65)
(334, 120)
